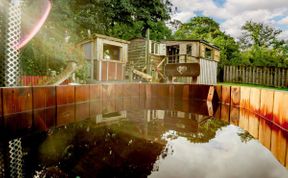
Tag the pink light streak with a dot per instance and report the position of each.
(24, 40)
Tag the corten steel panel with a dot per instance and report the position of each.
(112, 71)
(142, 90)
(254, 125)
(265, 131)
(135, 103)
(245, 97)
(235, 96)
(127, 103)
(266, 104)
(244, 119)
(225, 113)
(130, 90)
(160, 90)
(82, 93)
(65, 94)
(280, 109)
(218, 92)
(118, 90)
(226, 94)
(148, 91)
(255, 94)
(44, 119)
(217, 112)
(198, 92)
(108, 91)
(234, 116)
(181, 91)
(95, 108)
(65, 114)
(279, 145)
(17, 100)
(119, 104)
(108, 105)
(20, 121)
(95, 92)
(82, 111)
(44, 97)
(120, 72)
(104, 71)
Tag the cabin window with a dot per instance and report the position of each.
(189, 50)
(155, 48)
(111, 52)
(208, 53)
(173, 54)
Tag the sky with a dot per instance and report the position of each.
(232, 14)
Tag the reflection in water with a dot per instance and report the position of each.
(166, 140)
(268, 134)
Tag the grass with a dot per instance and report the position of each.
(253, 85)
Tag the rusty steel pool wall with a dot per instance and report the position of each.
(47, 106)
(270, 104)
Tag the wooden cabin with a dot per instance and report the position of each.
(200, 52)
(144, 57)
(106, 56)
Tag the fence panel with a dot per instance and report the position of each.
(270, 76)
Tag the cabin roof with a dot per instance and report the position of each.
(194, 40)
(95, 36)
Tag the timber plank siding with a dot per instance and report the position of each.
(269, 76)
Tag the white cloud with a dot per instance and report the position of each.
(234, 13)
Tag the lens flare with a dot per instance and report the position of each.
(27, 37)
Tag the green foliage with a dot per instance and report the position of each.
(261, 47)
(72, 19)
(209, 30)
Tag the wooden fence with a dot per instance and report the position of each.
(36, 80)
(269, 76)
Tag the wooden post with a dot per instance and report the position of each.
(148, 62)
(283, 78)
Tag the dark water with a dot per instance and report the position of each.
(143, 142)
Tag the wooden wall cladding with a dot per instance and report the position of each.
(16, 100)
(65, 94)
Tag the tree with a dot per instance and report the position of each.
(119, 18)
(207, 29)
(259, 34)
(261, 46)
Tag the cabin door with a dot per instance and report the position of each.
(173, 54)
